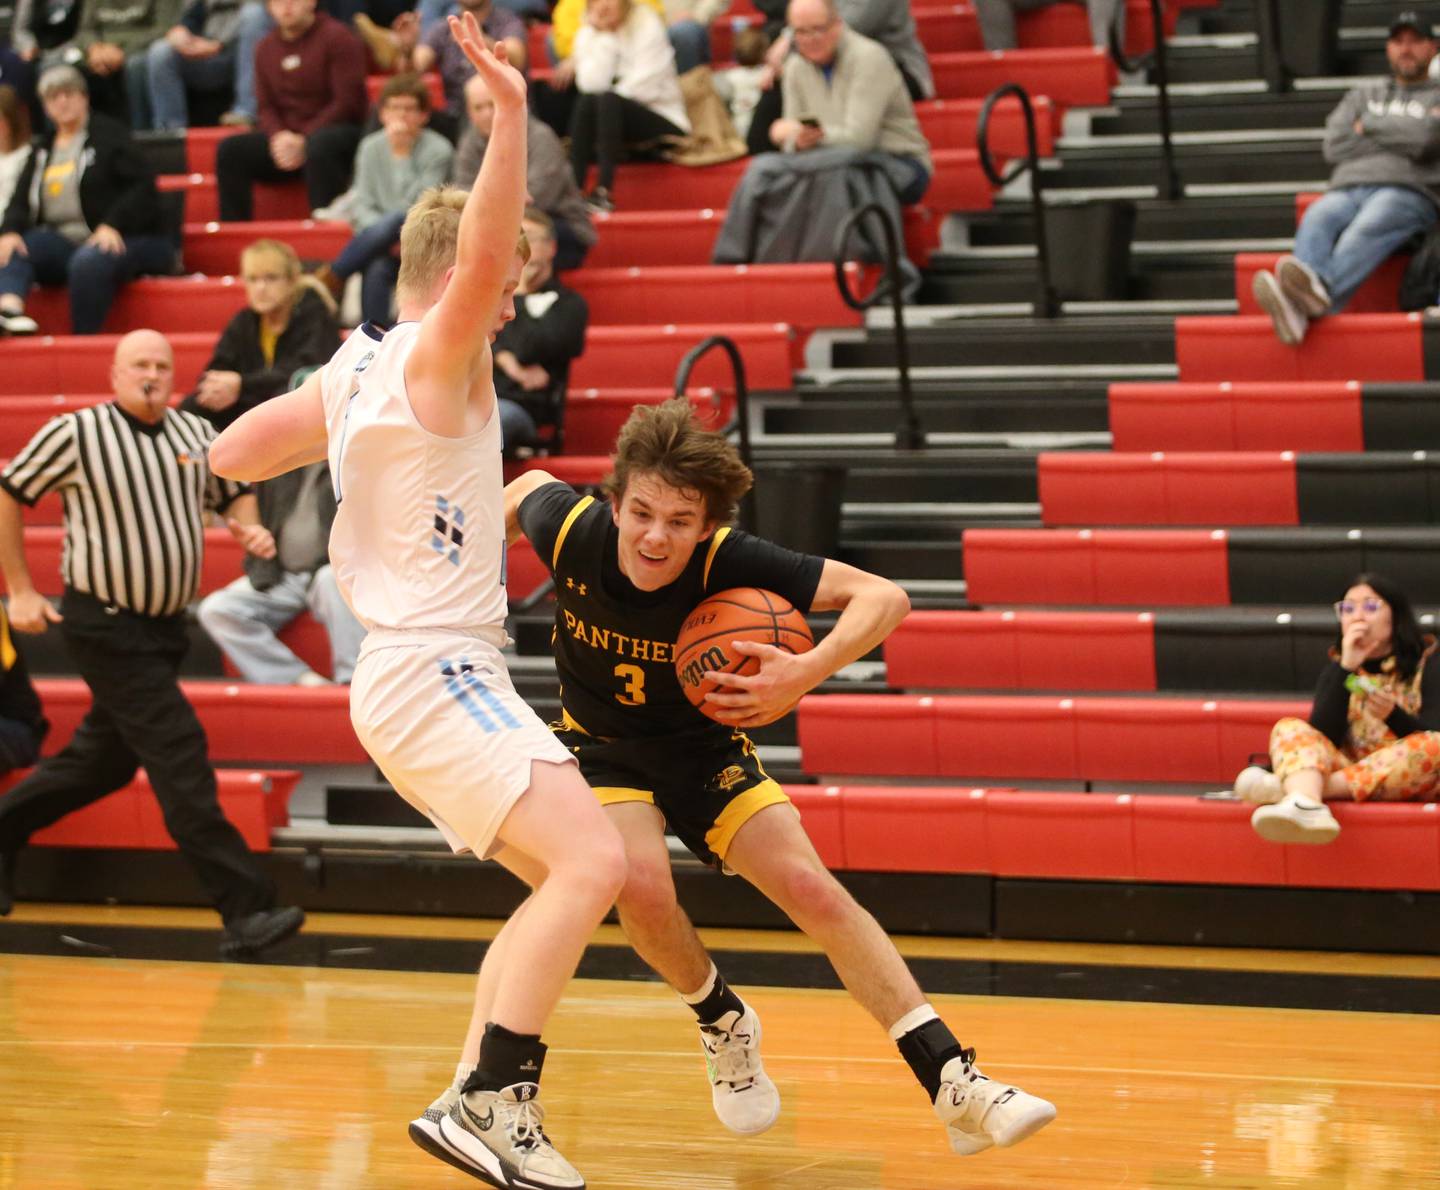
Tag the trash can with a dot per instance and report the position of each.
(1089, 246)
(797, 505)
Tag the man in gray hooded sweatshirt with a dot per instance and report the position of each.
(1383, 141)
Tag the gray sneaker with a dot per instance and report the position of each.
(979, 1112)
(1290, 325)
(425, 1129)
(499, 1137)
(1302, 285)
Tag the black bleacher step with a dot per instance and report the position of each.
(1108, 164)
(1210, 650)
(981, 479)
(994, 342)
(1401, 416)
(1221, 112)
(1196, 217)
(960, 415)
(1292, 565)
(1238, 16)
(47, 656)
(164, 152)
(952, 280)
(1375, 488)
(901, 560)
(1228, 63)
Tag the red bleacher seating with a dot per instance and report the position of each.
(172, 304)
(256, 802)
(1036, 738)
(375, 83)
(1079, 76)
(22, 416)
(820, 811)
(1341, 347)
(1026, 650)
(647, 356)
(273, 200)
(81, 363)
(1163, 488)
(953, 123)
(910, 828)
(1380, 294)
(1115, 567)
(1319, 416)
(803, 294)
(1060, 836)
(214, 248)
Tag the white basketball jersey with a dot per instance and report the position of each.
(419, 536)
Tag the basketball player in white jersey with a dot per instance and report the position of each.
(408, 421)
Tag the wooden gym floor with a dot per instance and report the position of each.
(119, 1072)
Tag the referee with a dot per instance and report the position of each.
(137, 489)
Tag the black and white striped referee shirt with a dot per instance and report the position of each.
(136, 498)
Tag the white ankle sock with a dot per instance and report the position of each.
(705, 988)
(463, 1071)
(912, 1020)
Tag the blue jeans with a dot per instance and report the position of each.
(167, 75)
(437, 10)
(255, 23)
(517, 428)
(91, 275)
(1348, 233)
(691, 43)
(370, 250)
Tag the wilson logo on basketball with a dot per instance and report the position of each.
(693, 670)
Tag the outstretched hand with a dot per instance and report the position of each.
(507, 85)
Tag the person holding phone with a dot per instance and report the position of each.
(1374, 728)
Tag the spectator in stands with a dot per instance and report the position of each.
(310, 87)
(629, 94)
(199, 53)
(1374, 727)
(142, 519)
(1383, 140)
(533, 352)
(547, 174)
(43, 30)
(23, 725)
(842, 89)
(687, 25)
(14, 142)
(742, 85)
(114, 36)
(392, 168)
(296, 510)
(890, 22)
(288, 323)
(997, 20)
(437, 50)
(84, 213)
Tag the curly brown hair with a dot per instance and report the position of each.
(667, 441)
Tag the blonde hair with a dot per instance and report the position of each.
(290, 264)
(428, 239)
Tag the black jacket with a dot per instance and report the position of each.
(116, 184)
(553, 340)
(311, 338)
(276, 498)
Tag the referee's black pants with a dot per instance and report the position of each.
(139, 717)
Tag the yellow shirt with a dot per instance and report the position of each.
(268, 338)
(567, 17)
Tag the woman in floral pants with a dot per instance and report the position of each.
(1374, 727)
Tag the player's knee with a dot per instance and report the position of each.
(648, 898)
(600, 875)
(813, 895)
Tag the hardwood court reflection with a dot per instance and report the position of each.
(119, 1074)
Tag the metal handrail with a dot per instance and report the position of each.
(1171, 187)
(1047, 300)
(742, 403)
(909, 435)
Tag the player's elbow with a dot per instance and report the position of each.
(228, 459)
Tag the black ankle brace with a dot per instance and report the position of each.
(926, 1049)
(506, 1058)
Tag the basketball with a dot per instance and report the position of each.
(742, 613)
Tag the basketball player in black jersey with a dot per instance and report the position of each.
(628, 570)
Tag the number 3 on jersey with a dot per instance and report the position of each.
(634, 679)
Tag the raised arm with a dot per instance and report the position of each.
(284, 433)
(452, 352)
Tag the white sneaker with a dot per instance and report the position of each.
(1295, 819)
(745, 1099)
(1302, 285)
(978, 1112)
(498, 1135)
(18, 324)
(1258, 786)
(1290, 325)
(425, 1129)
(311, 678)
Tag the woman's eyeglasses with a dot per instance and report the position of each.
(1348, 607)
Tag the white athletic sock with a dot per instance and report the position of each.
(912, 1020)
(463, 1071)
(705, 988)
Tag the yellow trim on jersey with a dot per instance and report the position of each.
(580, 506)
(720, 535)
(7, 646)
(735, 815)
(569, 724)
(617, 795)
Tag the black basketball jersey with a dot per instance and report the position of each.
(615, 644)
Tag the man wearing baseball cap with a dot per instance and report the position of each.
(1383, 143)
